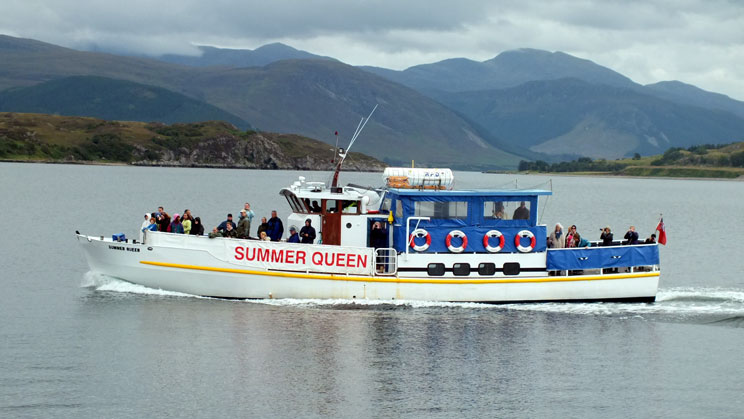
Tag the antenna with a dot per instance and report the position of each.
(342, 154)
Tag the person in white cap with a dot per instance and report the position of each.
(244, 225)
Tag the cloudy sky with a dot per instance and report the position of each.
(696, 41)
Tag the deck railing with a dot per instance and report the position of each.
(386, 261)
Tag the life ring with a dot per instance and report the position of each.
(518, 240)
(420, 232)
(460, 234)
(493, 233)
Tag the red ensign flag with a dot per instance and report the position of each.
(662, 232)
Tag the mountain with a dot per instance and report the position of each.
(571, 117)
(112, 99)
(267, 54)
(679, 92)
(313, 98)
(508, 69)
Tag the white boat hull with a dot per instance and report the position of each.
(209, 269)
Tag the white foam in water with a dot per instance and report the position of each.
(105, 283)
(359, 302)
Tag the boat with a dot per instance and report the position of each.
(440, 244)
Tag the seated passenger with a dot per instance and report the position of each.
(264, 237)
(606, 236)
(651, 240)
(152, 226)
(175, 225)
(315, 207)
(521, 213)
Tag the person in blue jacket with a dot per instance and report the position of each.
(293, 236)
(276, 228)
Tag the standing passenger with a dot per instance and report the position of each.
(606, 236)
(197, 229)
(307, 233)
(276, 228)
(244, 225)
(556, 239)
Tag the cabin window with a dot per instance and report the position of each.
(506, 210)
(486, 269)
(435, 269)
(387, 204)
(446, 210)
(461, 269)
(398, 209)
(350, 207)
(511, 268)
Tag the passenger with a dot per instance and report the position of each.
(163, 220)
(580, 241)
(248, 213)
(263, 227)
(244, 225)
(631, 237)
(570, 236)
(223, 225)
(521, 213)
(145, 224)
(276, 228)
(230, 231)
(307, 233)
(556, 239)
(378, 238)
(152, 226)
(197, 229)
(315, 207)
(651, 240)
(498, 210)
(293, 236)
(606, 236)
(186, 220)
(175, 225)
(264, 237)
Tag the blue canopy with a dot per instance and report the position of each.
(602, 257)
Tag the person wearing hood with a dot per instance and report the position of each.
(556, 239)
(307, 233)
(244, 225)
(197, 229)
(175, 225)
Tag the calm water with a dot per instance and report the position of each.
(75, 345)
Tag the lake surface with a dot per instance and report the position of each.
(74, 345)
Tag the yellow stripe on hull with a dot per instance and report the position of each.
(398, 280)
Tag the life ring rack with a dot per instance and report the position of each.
(518, 241)
(456, 249)
(489, 235)
(420, 232)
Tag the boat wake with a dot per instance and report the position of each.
(717, 306)
(104, 283)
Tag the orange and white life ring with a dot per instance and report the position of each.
(420, 232)
(496, 234)
(518, 241)
(456, 249)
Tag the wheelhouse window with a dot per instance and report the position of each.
(295, 203)
(443, 210)
(506, 210)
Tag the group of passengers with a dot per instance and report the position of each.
(183, 223)
(269, 230)
(559, 239)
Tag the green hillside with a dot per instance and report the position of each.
(54, 138)
(112, 99)
(708, 160)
